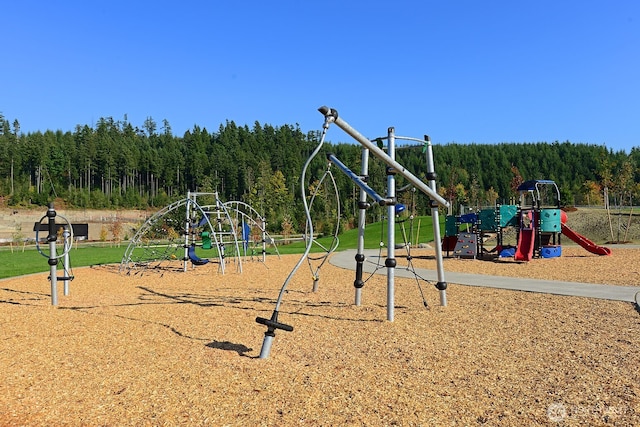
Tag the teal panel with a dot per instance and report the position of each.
(487, 219)
(450, 228)
(550, 220)
(508, 215)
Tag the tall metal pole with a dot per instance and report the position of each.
(221, 249)
(362, 217)
(441, 285)
(53, 260)
(273, 323)
(360, 181)
(390, 262)
(187, 230)
(264, 240)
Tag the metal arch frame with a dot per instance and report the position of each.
(192, 200)
(260, 222)
(127, 262)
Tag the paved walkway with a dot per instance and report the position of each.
(346, 259)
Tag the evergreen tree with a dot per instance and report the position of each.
(116, 164)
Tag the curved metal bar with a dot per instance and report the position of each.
(335, 241)
(274, 324)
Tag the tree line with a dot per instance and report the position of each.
(115, 164)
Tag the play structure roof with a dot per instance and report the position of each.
(531, 185)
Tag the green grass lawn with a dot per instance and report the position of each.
(374, 234)
(19, 262)
(28, 260)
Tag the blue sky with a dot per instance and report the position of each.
(459, 71)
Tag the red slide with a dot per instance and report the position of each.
(524, 251)
(584, 242)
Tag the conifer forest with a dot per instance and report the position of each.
(115, 164)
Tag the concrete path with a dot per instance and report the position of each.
(346, 259)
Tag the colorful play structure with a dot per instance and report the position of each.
(538, 220)
(201, 223)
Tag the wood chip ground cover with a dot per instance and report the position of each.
(181, 349)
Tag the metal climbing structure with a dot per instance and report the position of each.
(389, 201)
(253, 230)
(182, 233)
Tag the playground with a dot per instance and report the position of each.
(538, 220)
(168, 338)
(173, 347)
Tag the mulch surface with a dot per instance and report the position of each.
(165, 347)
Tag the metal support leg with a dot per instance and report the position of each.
(441, 285)
(362, 215)
(390, 262)
(53, 260)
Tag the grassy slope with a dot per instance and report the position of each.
(19, 262)
(374, 233)
(592, 223)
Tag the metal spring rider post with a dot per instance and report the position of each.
(53, 257)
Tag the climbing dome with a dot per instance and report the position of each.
(195, 231)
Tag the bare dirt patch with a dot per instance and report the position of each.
(181, 349)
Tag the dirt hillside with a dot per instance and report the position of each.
(18, 224)
(593, 223)
(601, 227)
